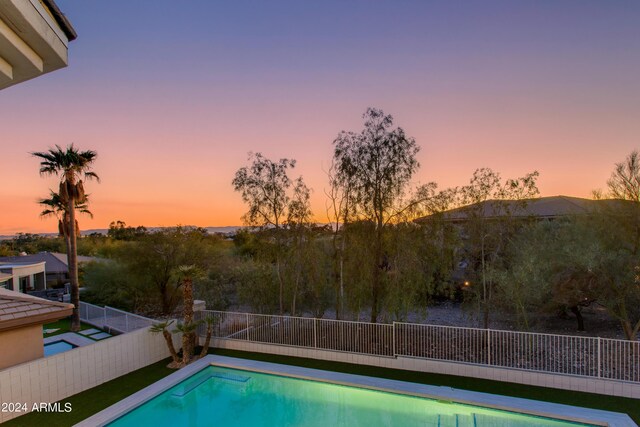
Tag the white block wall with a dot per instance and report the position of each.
(54, 378)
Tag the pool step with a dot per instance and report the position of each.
(476, 420)
(230, 377)
(457, 420)
(483, 420)
(189, 387)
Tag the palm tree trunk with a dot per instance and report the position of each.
(72, 258)
(187, 296)
(172, 349)
(188, 339)
(65, 233)
(207, 341)
(186, 348)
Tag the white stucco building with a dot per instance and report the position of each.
(34, 39)
(23, 276)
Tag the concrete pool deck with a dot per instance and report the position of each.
(492, 401)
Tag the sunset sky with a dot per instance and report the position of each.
(174, 94)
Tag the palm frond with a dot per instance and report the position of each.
(92, 175)
(160, 327)
(69, 161)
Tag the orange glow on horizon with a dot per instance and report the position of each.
(173, 114)
(150, 177)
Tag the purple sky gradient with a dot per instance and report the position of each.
(172, 96)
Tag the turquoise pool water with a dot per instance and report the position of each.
(57, 347)
(229, 397)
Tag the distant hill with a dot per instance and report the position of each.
(228, 230)
(211, 230)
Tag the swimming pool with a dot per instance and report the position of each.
(56, 347)
(230, 397)
(193, 396)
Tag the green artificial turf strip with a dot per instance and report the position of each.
(94, 400)
(588, 400)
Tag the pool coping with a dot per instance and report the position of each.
(492, 401)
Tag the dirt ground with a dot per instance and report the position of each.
(596, 321)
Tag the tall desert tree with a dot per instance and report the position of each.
(265, 187)
(596, 261)
(154, 262)
(622, 296)
(299, 225)
(624, 183)
(338, 211)
(71, 166)
(492, 204)
(527, 285)
(377, 163)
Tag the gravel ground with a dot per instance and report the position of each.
(596, 321)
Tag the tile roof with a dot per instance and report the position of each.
(18, 309)
(81, 258)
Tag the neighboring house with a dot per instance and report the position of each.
(34, 39)
(23, 276)
(548, 208)
(539, 209)
(56, 267)
(21, 320)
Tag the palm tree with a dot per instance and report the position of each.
(210, 321)
(70, 165)
(188, 331)
(187, 274)
(163, 328)
(56, 206)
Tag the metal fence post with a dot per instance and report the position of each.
(126, 323)
(104, 311)
(315, 333)
(393, 337)
(599, 359)
(488, 346)
(247, 326)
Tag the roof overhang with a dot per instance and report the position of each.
(34, 39)
(37, 319)
(15, 265)
(19, 310)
